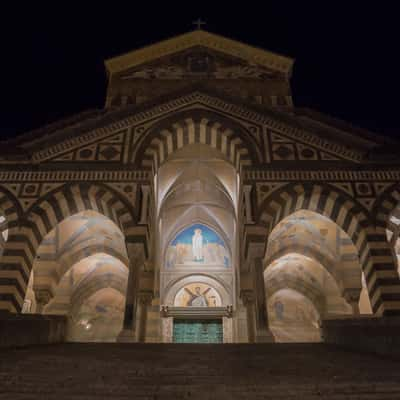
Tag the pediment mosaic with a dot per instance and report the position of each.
(199, 62)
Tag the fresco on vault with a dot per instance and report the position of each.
(197, 245)
(197, 295)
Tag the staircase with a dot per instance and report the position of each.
(187, 371)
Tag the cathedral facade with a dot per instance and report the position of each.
(200, 205)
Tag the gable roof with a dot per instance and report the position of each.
(185, 41)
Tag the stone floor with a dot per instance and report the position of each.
(186, 371)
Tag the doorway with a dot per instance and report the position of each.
(198, 331)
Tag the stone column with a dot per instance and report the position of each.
(128, 333)
(43, 297)
(248, 301)
(247, 203)
(136, 256)
(227, 329)
(145, 299)
(352, 296)
(263, 333)
(145, 204)
(167, 327)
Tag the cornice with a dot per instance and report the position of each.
(323, 175)
(200, 38)
(74, 176)
(249, 175)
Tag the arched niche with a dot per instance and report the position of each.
(198, 280)
(217, 218)
(99, 318)
(218, 174)
(308, 277)
(195, 246)
(73, 240)
(316, 236)
(197, 294)
(293, 317)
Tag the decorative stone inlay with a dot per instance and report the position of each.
(85, 153)
(307, 153)
(283, 152)
(109, 153)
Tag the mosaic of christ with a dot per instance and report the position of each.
(195, 245)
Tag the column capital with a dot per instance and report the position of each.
(352, 295)
(247, 188)
(247, 203)
(247, 297)
(145, 298)
(145, 204)
(43, 296)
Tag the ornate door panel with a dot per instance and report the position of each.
(197, 331)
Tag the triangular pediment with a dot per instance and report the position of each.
(199, 40)
(199, 62)
(116, 136)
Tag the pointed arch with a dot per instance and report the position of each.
(11, 207)
(198, 126)
(212, 224)
(86, 289)
(49, 211)
(386, 207)
(10, 279)
(175, 285)
(376, 258)
(274, 284)
(310, 252)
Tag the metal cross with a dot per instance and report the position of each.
(198, 23)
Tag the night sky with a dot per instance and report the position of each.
(347, 57)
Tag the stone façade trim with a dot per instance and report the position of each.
(239, 112)
(323, 175)
(74, 176)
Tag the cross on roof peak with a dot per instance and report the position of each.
(199, 23)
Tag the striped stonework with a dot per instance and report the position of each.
(90, 285)
(375, 254)
(74, 255)
(276, 282)
(10, 279)
(50, 270)
(171, 135)
(44, 215)
(388, 213)
(305, 250)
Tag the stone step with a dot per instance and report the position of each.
(186, 371)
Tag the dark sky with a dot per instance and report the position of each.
(347, 56)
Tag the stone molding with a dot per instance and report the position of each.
(77, 175)
(199, 99)
(196, 312)
(321, 175)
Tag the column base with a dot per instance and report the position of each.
(5, 313)
(264, 337)
(127, 336)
